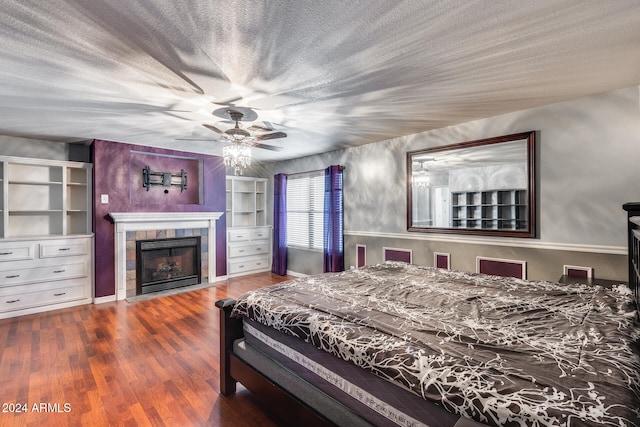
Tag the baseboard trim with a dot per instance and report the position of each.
(296, 274)
(102, 300)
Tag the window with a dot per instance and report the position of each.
(305, 210)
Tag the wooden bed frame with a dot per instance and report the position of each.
(286, 406)
(633, 237)
(289, 408)
(283, 404)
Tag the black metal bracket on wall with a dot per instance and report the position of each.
(165, 179)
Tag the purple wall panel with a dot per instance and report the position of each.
(442, 261)
(362, 256)
(113, 176)
(397, 255)
(501, 268)
(163, 163)
(576, 272)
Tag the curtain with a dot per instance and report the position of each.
(333, 220)
(279, 263)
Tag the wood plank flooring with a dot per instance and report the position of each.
(149, 363)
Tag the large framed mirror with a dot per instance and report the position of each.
(482, 187)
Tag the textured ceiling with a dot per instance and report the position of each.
(331, 74)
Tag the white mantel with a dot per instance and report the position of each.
(138, 221)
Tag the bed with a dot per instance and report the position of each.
(400, 344)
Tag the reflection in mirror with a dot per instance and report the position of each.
(477, 187)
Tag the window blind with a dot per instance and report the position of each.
(305, 210)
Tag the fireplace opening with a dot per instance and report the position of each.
(163, 264)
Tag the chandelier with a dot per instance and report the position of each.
(421, 180)
(420, 176)
(237, 154)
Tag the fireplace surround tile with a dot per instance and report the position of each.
(132, 238)
(132, 226)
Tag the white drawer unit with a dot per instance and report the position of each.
(239, 235)
(39, 274)
(16, 251)
(45, 274)
(246, 266)
(60, 249)
(248, 250)
(24, 297)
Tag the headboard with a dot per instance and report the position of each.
(633, 231)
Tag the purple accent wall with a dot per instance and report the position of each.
(163, 163)
(501, 268)
(113, 175)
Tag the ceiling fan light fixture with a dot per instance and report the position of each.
(237, 133)
(237, 155)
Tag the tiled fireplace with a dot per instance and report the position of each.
(165, 259)
(131, 227)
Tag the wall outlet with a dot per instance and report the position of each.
(104, 199)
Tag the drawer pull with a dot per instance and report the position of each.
(12, 301)
(6, 253)
(258, 263)
(59, 271)
(64, 249)
(60, 294)
(241, 266)
(258, 249)
(13, 276)
(241, 250)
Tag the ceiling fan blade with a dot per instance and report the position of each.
(229, 101)
(260, 128)
(200, 139)
(271, 136)
(268, 147)
(213, 128)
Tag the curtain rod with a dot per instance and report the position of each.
(317, 170)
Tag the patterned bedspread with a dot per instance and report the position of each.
(498, 350)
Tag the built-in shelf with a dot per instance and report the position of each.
(248, 235)
(46, 259)
(246, 201)
(490, 209)
(44, 198)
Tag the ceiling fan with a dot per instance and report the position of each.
(237, 134)
(239, 142)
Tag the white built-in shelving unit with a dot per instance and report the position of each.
(46, 243)
(248, 234)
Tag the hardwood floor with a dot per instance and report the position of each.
(149, 363)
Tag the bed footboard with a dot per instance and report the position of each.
(230, 330)
(289, 409)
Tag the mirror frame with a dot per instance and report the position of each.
(529, 232)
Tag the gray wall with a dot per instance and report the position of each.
(50, 150)
(588, 157)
